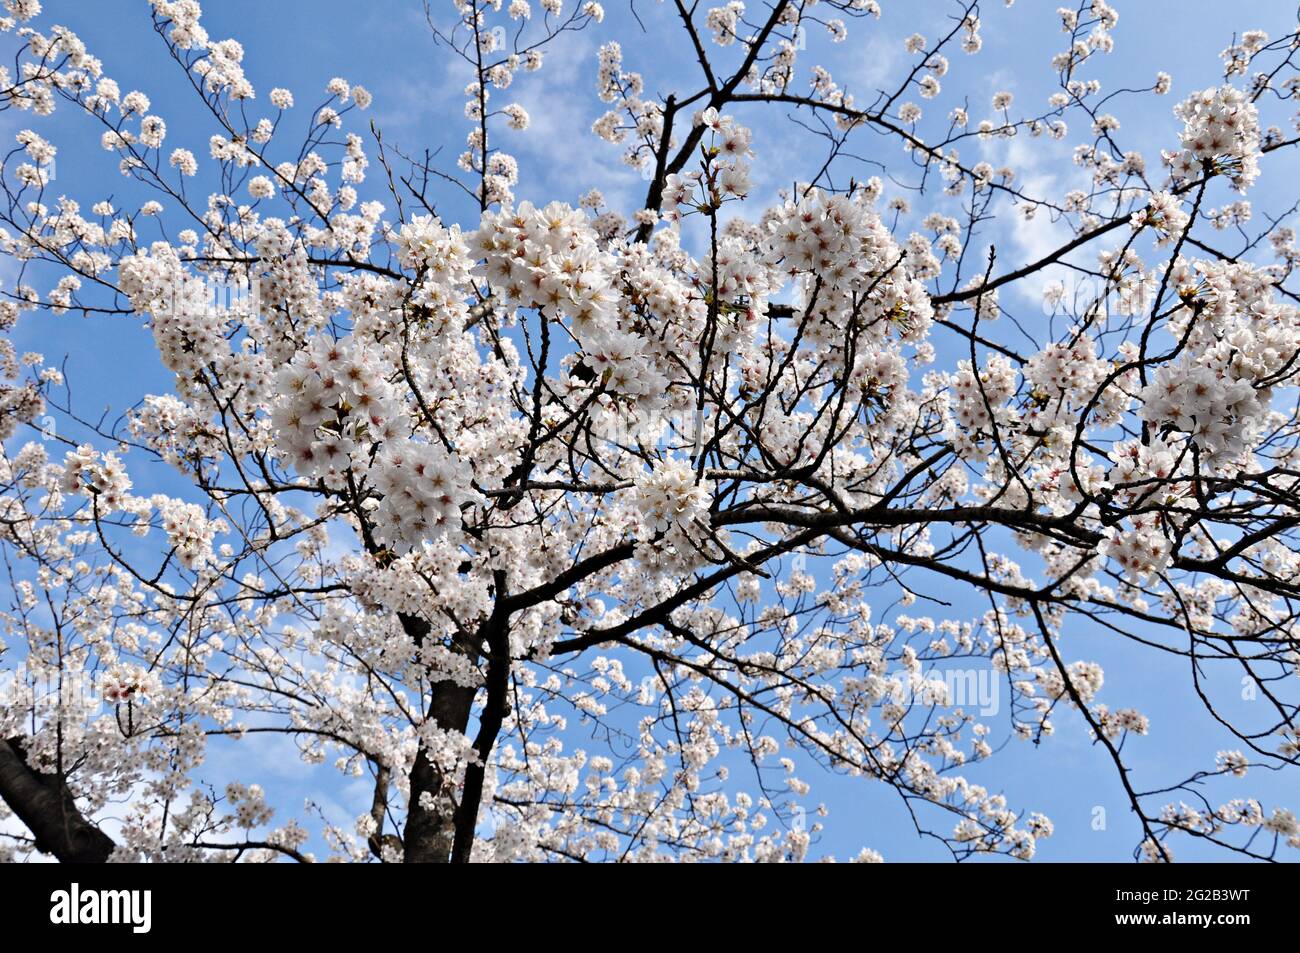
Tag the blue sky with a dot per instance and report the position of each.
(418, 90)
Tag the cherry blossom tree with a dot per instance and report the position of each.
(603, 534)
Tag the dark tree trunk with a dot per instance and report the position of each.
(445, 832)
(495, 708)
(45, 804)
(429, 833)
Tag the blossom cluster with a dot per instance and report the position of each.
(1221, 133)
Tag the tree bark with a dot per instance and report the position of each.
(45, 804)
(497, 634)
(430, 831)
